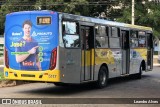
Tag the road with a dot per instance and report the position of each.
(147, 87)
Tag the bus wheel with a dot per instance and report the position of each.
(102, 77)
(139, 75)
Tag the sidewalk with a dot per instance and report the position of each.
(156, 64)
(1, 66)
(155, 61)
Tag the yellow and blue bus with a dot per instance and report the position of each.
(49, 46)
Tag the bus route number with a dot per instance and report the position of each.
(43, 20)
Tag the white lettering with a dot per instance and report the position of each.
(41, 33)
(34, 102)
(143, 101)
(16, 33)
(34, 34)
(152, 101)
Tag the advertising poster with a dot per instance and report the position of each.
(30, 39)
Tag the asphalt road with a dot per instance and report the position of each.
(147, 87)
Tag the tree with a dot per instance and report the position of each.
(80, 7)
(68, 6)
(8, 6)
(146, 14)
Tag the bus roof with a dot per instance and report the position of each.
(32, 12)
(86, 19)
(103, 21)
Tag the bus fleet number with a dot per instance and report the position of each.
(52, 76)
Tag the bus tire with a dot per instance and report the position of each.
(139, 75)
(102, 77)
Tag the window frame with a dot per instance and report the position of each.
(134, 38)
(99, 35)
(118, 37)
(144, 37)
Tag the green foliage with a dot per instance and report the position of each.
(68, 6)
(146, 13)
(9, 6)
(1, 76)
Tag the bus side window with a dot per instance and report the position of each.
(134, 39)
(142, 39)
(114, 39)
(101, 40)
(71, 38)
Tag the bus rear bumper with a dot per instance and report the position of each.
(44, 76)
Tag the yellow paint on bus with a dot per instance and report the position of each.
(142, 52)
(47, 76)
(104, 56)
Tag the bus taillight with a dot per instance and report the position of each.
(6, 58)
(53, 59)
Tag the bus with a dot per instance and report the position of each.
(62, 48)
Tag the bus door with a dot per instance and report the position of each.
(149, 51)
(87, 36)
(125, 52)
(70, 56)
